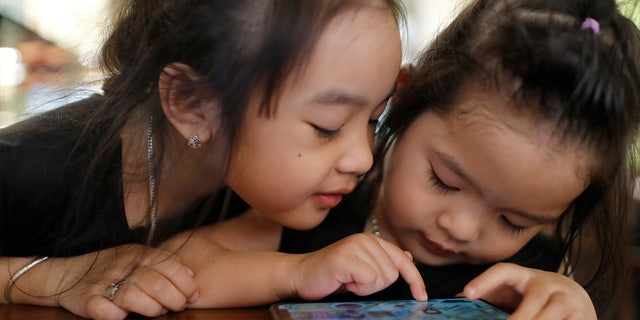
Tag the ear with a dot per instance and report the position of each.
(186, 103)
(404, 75)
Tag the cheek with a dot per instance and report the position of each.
(405, 185)
(405, 197)
(262, 155)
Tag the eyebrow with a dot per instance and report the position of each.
(534, 217)
(454, 166)
(337, 96)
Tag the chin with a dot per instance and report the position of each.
(304, 224)
(436, 261)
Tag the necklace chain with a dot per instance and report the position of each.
(152, 183)
(375, 229)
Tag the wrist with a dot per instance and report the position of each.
(286, 275)
(13, 279)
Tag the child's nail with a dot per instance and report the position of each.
(469, 291)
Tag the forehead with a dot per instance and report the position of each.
(354, 62)
(358, 34)
(487, 111)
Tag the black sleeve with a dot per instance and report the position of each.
(32, 193)
(45, 207)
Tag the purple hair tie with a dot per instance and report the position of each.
(590, 23)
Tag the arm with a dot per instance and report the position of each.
(361, 263)
(532, 293)
(154, 281)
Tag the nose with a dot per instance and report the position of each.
(357, 157)
(461, 226)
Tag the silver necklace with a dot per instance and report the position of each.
(375, 229)
(152, 182)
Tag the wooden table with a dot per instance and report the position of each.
(23, 312)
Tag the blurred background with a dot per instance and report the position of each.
(48, 49)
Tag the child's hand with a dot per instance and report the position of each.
(154, 282)
(532, 293)
(362, 263)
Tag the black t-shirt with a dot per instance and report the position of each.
(442, 282)
(47, 207)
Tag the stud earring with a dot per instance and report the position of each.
(194, 142)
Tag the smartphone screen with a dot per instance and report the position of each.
(434, 309)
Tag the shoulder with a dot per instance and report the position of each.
(40, 155)
(51, 129)
(37, 147)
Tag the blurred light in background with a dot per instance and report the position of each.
(425, 19)
(48, 55)
(12, 71)
(75, 25)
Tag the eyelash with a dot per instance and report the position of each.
(439, 184)
(326, 133)
(333, 134)
(516, 230)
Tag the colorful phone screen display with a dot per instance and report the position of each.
(434, 309)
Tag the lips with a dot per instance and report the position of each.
(327, 200)
(437, 249)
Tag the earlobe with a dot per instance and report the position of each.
(404, 75)
(185, 102)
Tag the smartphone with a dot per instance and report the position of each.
(434, 309)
